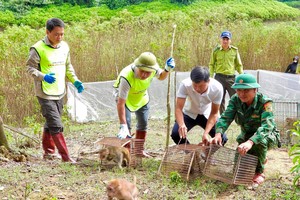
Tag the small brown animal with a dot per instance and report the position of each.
(117, 154)
(289, 123)
(122, 189)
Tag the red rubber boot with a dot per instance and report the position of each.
(48, 146)
(60, 143)
(142, 135)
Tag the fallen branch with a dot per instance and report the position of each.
(4, 159)
(20, 132)
(3, 140)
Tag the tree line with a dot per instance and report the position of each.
(22, 6)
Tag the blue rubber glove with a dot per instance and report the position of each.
(49, 78)
(170, 64)
(79, 86)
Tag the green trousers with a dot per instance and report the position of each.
(261, 152)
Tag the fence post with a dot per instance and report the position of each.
(298, 110)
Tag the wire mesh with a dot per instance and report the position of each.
(186, 159)
(285, 114)
(229, 166)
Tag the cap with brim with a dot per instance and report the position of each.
(226, 34)
(147, 62)
(245, 81)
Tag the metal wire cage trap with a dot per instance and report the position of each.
(135, 146)
(229, 166)
(186, 159)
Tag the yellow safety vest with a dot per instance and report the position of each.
(53, 60)
(138, 94)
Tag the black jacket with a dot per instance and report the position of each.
(292, 68)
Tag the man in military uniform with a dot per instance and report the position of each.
(224, 61)
(132, 95)
(252, 111)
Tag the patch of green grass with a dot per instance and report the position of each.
(151, 164)
(175, 178)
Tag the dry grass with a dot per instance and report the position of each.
(100, 51)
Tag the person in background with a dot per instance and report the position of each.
(292, 68)
(252, 111)
(49, 64)
(132, 94)
(224, 61)
(197, 103)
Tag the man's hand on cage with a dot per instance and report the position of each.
(245, 147)
(217, 139)
(124, 132)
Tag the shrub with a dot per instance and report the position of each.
(294, 152)
(7, 18)
(185, 2)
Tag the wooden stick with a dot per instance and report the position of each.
(4, 159)
(173, 38)
(168, 94)
(20, 132)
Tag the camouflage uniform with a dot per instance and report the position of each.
(256, 122)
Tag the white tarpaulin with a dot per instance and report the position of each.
(97, 102)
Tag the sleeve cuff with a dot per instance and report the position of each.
(254, 139)
(219, 130)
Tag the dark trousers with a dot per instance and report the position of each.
(190, 123)
(227, 81)
(52, 111)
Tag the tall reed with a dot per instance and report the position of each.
(100, 50)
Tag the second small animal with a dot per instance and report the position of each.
(116, 154)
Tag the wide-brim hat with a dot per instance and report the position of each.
(245, 81)
(147, 62)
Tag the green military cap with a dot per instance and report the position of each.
(245, 81)
(147, 62)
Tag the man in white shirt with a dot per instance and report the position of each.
(198, 101)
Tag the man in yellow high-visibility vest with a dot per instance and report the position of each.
(132, 95)
(49, 64)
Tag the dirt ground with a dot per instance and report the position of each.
(40, 179)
